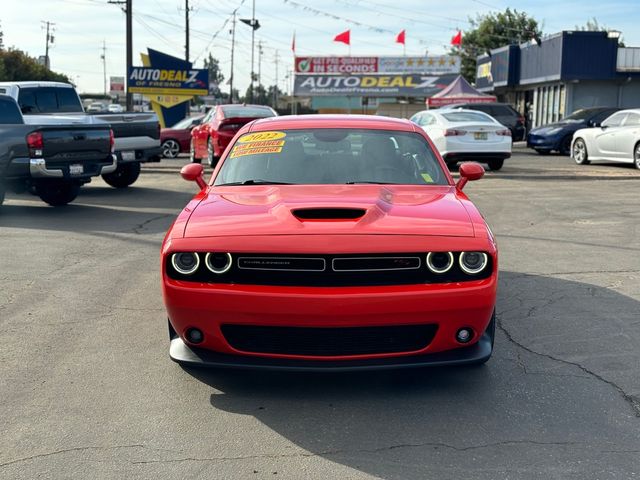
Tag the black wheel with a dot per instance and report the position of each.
(496, 164)
(192, 154)
(565, 145)
(211, 155)
(57, 193)
(170, 148)
(636, 157)
(579, 153)
(491, 331)
(542, 152)
(124, 175)
(2, 192)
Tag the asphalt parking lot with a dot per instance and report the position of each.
(87, 389)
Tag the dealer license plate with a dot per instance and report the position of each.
(128, 155)
(480, 135)
(76, 169)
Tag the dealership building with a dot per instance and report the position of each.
(561, 73)
(386, 85)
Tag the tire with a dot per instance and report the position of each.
(565, 145)
(124, 175)
(579, 153)
(542, 152)
(170, 148)
(192, 153)
(496, 164)
(636, 157)
(2, 193)
(211, 155)
(57, 193)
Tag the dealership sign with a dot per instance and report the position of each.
(371, 85)
(362, 65)
(165, 81)
(116, 86)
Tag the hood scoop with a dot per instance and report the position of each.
(328, 213)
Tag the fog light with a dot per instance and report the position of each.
(464, 335)
(194, 335)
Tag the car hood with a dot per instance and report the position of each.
(330, 209)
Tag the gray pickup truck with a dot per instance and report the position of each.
(137, 135)
(52, 160)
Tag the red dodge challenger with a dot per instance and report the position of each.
(330, 242)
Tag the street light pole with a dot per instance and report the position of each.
(233, 46)
(253, 35)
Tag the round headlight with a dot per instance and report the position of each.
(440, 262)
(218, 263)
(473, 262)
(186, 262)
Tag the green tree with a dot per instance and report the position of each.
(15, 65)
(493, 30)
(215, 74)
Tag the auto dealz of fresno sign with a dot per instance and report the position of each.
(371, 85)
(165, 81)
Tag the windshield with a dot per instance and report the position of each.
(459, 117)
(183, 124)
(579, 116)
(248, 112)
(331, 156)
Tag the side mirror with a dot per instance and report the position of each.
(469, 171)
(194, 173)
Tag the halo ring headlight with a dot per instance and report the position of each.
(441, 269)
(217, 269)
(182, 265)
(476, 267)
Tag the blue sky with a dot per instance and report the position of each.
(82, 25)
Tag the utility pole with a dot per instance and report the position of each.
(186, 30)
(49, 40)
(254, 24)
(260, 51)
(127, 9)
(104, 66)
(233, 46)
(275, 91)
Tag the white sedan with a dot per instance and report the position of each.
(617, 139)
(466, 135)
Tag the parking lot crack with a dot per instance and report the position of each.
(139, 229)
(67, 450)
(631, 400)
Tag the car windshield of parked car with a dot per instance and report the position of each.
(331, 156)
(460, 117)
(579, 116)
(248, 112)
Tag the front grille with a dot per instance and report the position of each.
(326, 342)
(329, 270)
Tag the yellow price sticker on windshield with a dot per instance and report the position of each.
(261, 137)
(426, 177)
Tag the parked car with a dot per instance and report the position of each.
(96, 107)
(502, 112)
(211, 137)
(466, 135)
(330, 242)
(617, 139)
(115, 108)
(557, 136)
(53, 160)
(177, 139)
(137, 135)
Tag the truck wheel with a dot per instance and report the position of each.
(495, 164)
(124, 175)
(57, 193)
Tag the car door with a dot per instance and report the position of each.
(627, 137)
(605, 137)
(200, 135)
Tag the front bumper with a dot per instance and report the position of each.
(542, 142)
(181, 353)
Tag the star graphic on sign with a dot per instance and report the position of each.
(420, 61)
(452, 62)
(442, 61)
(430, 62)
(410, 62)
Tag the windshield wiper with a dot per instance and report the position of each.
(369, 182)
(253, 182)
